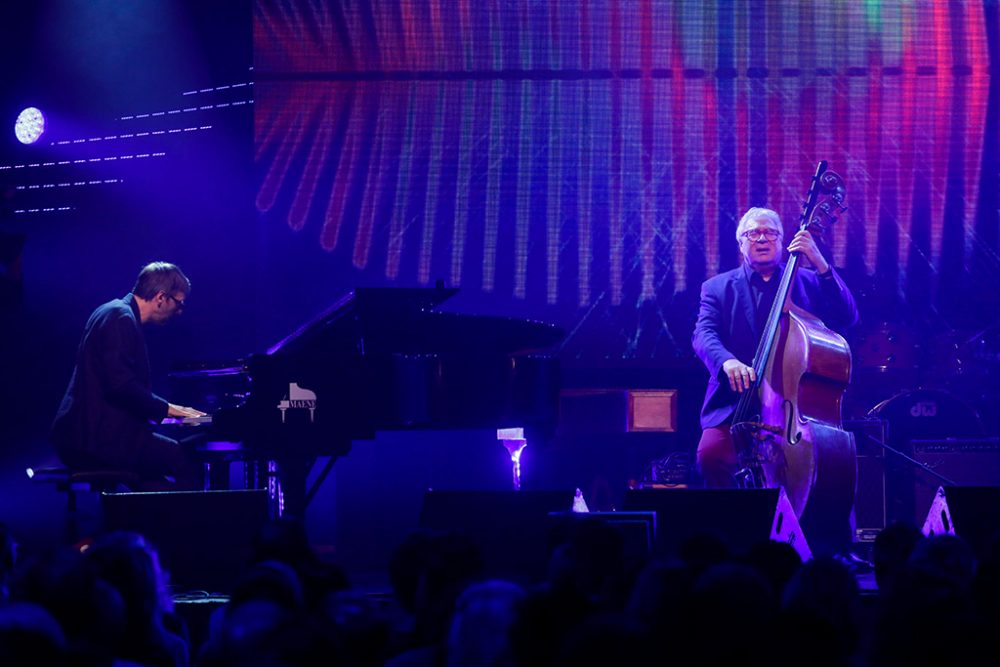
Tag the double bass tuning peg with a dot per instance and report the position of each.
(825, 214)
(827, 200)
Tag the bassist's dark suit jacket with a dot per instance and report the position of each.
(726, 325)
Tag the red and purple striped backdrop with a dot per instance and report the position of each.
(570, 151)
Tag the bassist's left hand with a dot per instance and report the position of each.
(804, 243)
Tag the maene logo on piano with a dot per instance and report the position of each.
(298, 399)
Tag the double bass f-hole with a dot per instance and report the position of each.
(792, 434)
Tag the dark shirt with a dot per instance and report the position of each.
(763, 292)
(107, 412)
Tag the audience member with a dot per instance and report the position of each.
(131, 565)
(108, 606)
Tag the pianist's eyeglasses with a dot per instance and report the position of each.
(179, 302)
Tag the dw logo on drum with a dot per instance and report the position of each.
(924, 409)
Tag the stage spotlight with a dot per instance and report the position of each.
(29, 126)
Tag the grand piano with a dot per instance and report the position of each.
(377, 359)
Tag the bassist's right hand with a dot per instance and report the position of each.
(740, 375)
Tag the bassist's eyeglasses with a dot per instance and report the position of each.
(758, 234)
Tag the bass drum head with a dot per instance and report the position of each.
(927, 414)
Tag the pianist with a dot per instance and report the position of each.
(105, 419)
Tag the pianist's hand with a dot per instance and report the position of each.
(181, 411)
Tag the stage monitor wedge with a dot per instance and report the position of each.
(204, 538)
(510, 528)
(741, 518)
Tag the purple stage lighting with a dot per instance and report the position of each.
(29, 126)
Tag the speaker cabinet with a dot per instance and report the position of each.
(637, 529)
(970, 512)
(870, 499)
(511, 528)
(204, 538)
(741, 518)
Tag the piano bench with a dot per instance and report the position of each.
(73, 482)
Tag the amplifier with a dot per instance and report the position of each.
(869, 503)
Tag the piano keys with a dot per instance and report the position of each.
(188, 421)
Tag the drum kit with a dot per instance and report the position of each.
(932, 388)
(898, 373)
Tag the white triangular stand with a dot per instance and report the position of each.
(938, 520)
(579, 504)
(785, 527)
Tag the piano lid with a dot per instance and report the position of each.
(378, 320)
(362, 300)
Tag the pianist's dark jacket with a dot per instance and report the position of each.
(107, 413)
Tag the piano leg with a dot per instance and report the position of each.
(287, 487)
(274, 491)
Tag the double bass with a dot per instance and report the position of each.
(787, 426)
